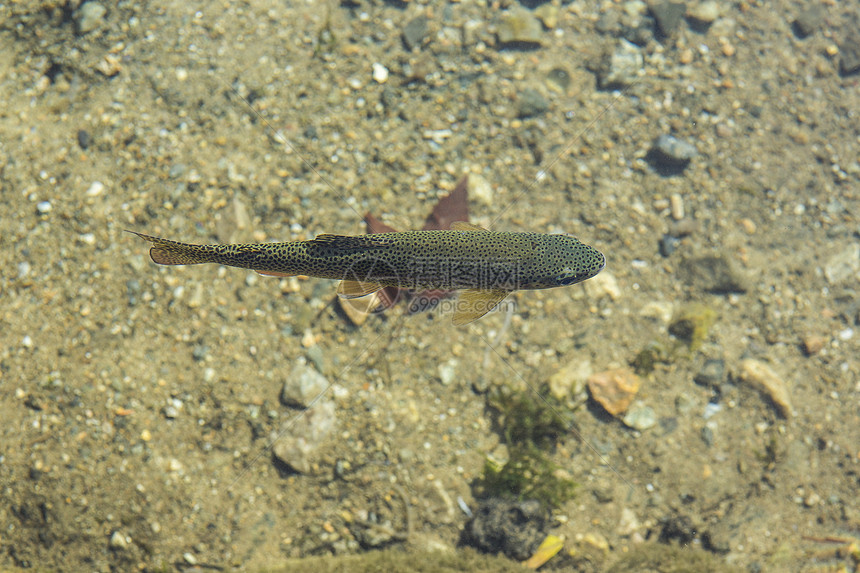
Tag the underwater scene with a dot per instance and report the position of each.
(468, 285)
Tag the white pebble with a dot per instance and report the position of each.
(27, 342)
(380, 73)
(96, 189)
(44, 207)
(480, 189)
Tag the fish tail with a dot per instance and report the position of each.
(167, 252)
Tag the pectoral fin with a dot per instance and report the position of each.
(355, 289)
(473, 304)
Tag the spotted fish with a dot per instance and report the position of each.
(486, 265)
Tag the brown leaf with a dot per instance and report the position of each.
(452, 207)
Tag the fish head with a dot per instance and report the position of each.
(574, 262)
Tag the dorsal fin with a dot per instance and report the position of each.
(466, 226)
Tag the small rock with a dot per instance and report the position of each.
(558, 79)
(119, 541)
(531, 103)
(89, 16)
(44, 207)
(480, 189)
(570, 380)
(704, 13)
(300, 438)
(844, 266)
(109, 66)
(808, 21)
(712, 374)
(84, 139)
(603, 285)
(670, 155)
(622, 67)
(303, 386)
(813, 343)
(614, 389)
(762, 377)
(380, 73)
(448, 371)
(668, 15)
(548, 15)
(640, 417)
(415, 32)
(520, 29)
(849, 54)
(712, 273)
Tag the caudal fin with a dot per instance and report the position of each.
(167, 252)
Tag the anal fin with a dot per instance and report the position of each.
(473, 304)
(273, 273)
(355, 289)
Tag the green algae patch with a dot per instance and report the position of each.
(670, 559)
(531, 426)
(692, 324)
(461, 560)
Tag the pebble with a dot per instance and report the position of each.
(558, 79)
(380, 73)
(548, 15)
(119, 541)
(602, 285)
(415, 32)
(704, 12)
(301, 437)
(95, 189)
(676, 201)
(622, 67)
(640, 417)
(614, 389)
(712, 374)
(849, 53)
(44, 207)
(808, 21)
(448, 371)
(668, 15)
(763, 378)
(531, 103)
(480, 189)
(89, 16)
(813, 344)
(303, 385)
(520, 28)
(672, 154)
(712, 273)
(844, 266)
(570, 379)
(84, 139)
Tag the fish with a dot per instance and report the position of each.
(486, 266)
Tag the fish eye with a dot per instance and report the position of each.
(567, 276)
(565, 280)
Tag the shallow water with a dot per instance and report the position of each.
(142, 404)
